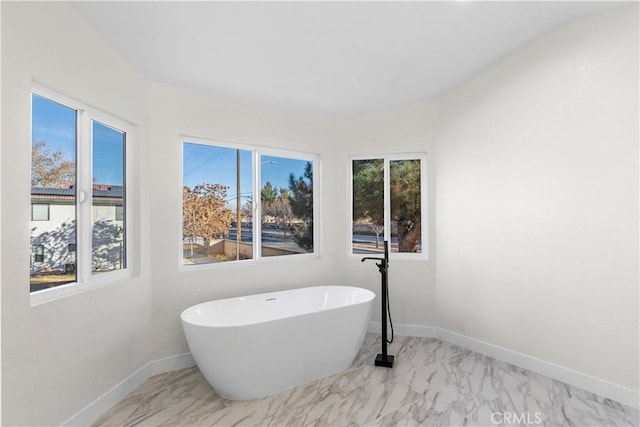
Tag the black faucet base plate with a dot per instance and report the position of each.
(386, 362)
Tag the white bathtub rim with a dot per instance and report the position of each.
(370, 294)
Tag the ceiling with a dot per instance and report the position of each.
(330, 58)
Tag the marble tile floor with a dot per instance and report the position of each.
(433, 383)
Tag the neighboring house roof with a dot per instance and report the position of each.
(100, 192)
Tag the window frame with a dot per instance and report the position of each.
(387, 158)
(85, 279)
(256, 152)
(48, 205)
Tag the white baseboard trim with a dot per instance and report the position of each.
(93, 411)
(624, 395)
(172, 363)
(407, 330)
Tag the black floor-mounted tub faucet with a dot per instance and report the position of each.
(383, 359)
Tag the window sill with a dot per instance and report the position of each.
(248, 262)
(394, 256)
(59, 292)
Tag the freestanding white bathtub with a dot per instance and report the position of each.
(254, 346)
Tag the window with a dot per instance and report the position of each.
(39, 212)
(108, 165)
(242, 203)
(387, 197)
(38, 253)
(78, 184)
(286, 205)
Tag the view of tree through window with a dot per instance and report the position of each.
(368, 206)
(218, 194)
(216, 198)
(60, 222)
(401, 221)
(406, 224)
(53, 181)
(287, 210)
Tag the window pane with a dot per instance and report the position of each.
(217, 192)
(405, 206)
(286, 198)
(53, 183)
(108, 231)
(38, 253)
(40, 212)
(368, 206)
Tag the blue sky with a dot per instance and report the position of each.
(212, 164)
(56, 124)
(108, 155)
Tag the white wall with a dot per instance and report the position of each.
(405, 129)
(537, 200)
(59, 356)
(0, 228)
(175, 112)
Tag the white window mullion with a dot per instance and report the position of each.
(85, 195)
(257, 206)
(317, 194)
(350, 198)
(387, 201)
(424, 202)
(127, 190)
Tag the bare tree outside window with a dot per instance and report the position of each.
(205, 215)
(282, 217)
(57, 215)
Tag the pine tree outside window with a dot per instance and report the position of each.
(388, 202)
